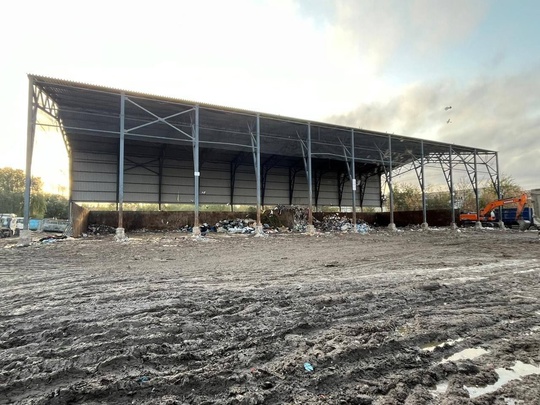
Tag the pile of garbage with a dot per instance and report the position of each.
(340, 223)
(280, 219)
(238, 225)
(300, 219)
(95, 229)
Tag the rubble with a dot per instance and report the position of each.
(95, 229)
(279, 219)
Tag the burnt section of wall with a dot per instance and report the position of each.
(174, 220)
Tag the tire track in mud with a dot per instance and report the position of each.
(238, 331)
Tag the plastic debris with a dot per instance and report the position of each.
(143, 379)
(308, 367)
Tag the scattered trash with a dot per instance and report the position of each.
(363, 228)
(308, 367)
(267, 385)
(279, 219)
(95, 229)
(52, 238)
(143, 379)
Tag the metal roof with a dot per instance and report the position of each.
(88, 111)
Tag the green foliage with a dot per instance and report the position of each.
(57, 206)
(12, 186)
(487, 192)
(407, 197)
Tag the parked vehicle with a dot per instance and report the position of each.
(8, 225)
(54, 225)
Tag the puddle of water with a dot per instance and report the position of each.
(519, 370)
(467, 354)
(441, 388)
(429, 347)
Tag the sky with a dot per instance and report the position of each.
(384, 65)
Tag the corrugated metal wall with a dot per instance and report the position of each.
(95, 180)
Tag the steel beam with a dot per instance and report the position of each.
(258, 170)
(121, 162)
(309, 177)
(196, 173)
(390, 186)
(353, 181)
(423, 185)
(30, 136)
(452, 193)
(476, 194)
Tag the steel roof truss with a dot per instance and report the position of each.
(158, 119)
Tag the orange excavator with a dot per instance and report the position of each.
(487, 214)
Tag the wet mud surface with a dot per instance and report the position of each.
(287, 319)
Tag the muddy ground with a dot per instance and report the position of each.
(335, 318)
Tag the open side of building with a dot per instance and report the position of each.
(129, 147)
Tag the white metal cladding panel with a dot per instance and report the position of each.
(177, 182)
(277, 187)
(372, 195)
(94, 177)
(300, 194)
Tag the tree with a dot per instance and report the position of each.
(12, 186)
(486, 192)
(436, 199)
(407, 197)
(57, 206)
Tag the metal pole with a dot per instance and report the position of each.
(310, 181)
(30, 135)
(424, 205)
(353, 181)
(258, 172)
(478, 223)
(121, 162)
(452, 196)
(390, 187)
(499, 194)
(196, 173)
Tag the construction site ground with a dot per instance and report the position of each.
(436, 316)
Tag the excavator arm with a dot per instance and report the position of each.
(485, 213)
(520, 201)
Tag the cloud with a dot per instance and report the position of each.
(495, 113)
(377, 30)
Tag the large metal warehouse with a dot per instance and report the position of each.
(125, 146)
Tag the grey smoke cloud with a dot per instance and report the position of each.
(497, 113)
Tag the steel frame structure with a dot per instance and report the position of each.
(84, 112)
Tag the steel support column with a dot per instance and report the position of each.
(309, 178)
(424, 205)
(196, 173)
(499, 194)
(121, 162)
(30, 136)
(234, 165)
(476, 194)
(452, 193)
(258, 171)
(341, 179)
(293, 171)
(390, 186)
(353, 181)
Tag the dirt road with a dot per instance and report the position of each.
(288, 319)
